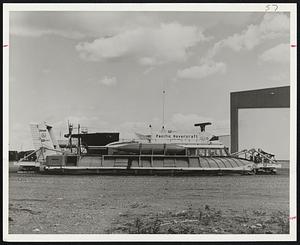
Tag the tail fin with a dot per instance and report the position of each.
(42, 136)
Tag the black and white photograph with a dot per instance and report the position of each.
(149, 122)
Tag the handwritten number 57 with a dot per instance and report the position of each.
(271, 7)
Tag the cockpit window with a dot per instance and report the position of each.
(202, 152)
(211, 152)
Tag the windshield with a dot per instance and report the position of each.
(212, 152)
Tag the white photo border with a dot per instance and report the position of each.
(201, 7)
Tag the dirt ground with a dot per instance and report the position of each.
(85, 204)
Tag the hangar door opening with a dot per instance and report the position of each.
(265, 128)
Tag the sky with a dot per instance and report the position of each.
(107, 70)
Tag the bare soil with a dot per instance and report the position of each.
(94, 204)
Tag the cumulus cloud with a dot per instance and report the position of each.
(128, 129)
(108, 81)
(152, 45)
(181, 121)
(272, 26)
(84, 120)
(36, 32)
(46, 71)
(280, 77)
(83, 24)
(202, 71)
(92, 123)
(147, 61)
(78, 24)
(19, 137)
(277, 54)
(178, 122)
(185, 122)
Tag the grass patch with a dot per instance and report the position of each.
(205, 220)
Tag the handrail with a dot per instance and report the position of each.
(40, 149)
(239, 152)
(25, 157)
(252, 151)
(260, 153)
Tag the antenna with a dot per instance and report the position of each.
(163, 109)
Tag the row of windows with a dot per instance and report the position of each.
(207, 152)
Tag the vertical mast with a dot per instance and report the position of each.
(163, 110)
(163, 104)
(78, 143)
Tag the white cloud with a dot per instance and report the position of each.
(92, 123)
(128, 129)
(84, 120)
(108, 81)
(185, 122)
(202, 71)
(35, 32)
(280, 78)
(277, 54)
(151, 45)
(272, 26)
(148, 70)
(46, 71)
(20, 137)
(147, 61)
(77, 24)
